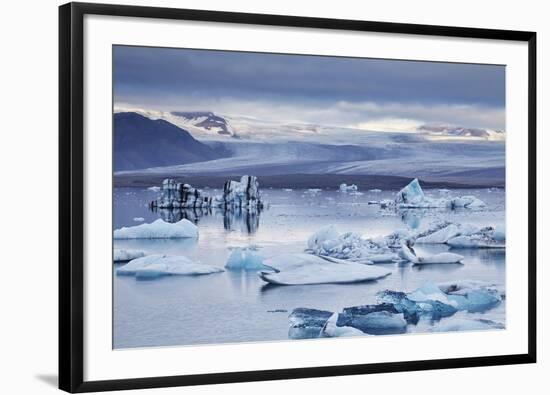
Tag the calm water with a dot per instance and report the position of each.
(237, 307)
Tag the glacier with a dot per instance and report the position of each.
(155, 266)
(159, 230)
(307, 269)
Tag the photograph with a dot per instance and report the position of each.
(269, 197)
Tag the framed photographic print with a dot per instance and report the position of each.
(251, 197)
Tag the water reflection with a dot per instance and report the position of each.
(248, 221)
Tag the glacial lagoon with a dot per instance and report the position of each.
(236, 306)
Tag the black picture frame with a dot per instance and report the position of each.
(71, 195)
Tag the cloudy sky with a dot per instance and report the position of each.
(366, 93)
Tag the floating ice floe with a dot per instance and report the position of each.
(412, 196)
(313, 191)
(472, 296)
(375, 190)
(154, 189)
(307, 269)
(463, 236)
(395, 311)
(139, 219)
(348, 188)
(120, 255)
(407, 253)
(487, 237)
(287, 189)
(159, 230)
(244, 258)
(154, 266)
(328, 241)
(466, 324)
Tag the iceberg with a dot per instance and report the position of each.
(466, 324)
(348, 188)
(332, 330)
(488, 237)
(396, 310)
(472, 296)
(381, 319)
(244, 258)
(120, 255)
(408, 254)
(328, 241)
(241, 194)
(463, 236)
(236, 194)
(412, 196)
(307, 269)
(307, 323)
(417, 306)
(179, 195)
(440, 233)
(154, 266)
(159, 230)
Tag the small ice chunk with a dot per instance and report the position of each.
(487, 237)
(325, 237)
(307, 323)
(154, 189)
(120, 255)
(332, 330)
(159, 230)
(348, 188)
(375, 190)
(466, 324)
(439, 235)
(380, 322)
(243, 258)
(407, 253)
(305, 269)
(139, 219)
(287, 189)
(327, 241)
(154, 266)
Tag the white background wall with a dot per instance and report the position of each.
(28, 197)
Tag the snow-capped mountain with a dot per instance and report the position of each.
(207, 125)
(451, 131)
(140, 142)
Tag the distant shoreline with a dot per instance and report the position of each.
(301, 181)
